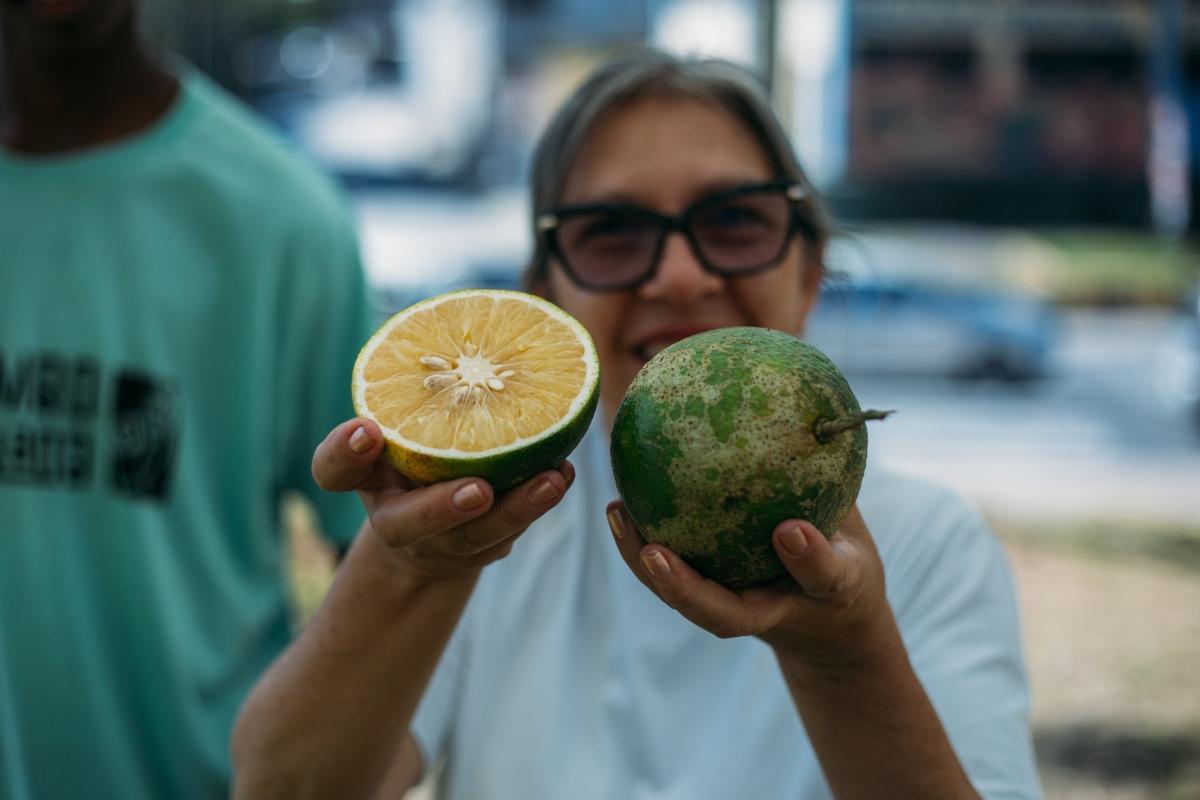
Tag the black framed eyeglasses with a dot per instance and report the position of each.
(610, 247)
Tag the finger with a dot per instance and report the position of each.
(403, 518)
(513, 512)
(630, 544)
(822, 567)
(704, 602)
(346, 459)
(629, 541)
(567, 470)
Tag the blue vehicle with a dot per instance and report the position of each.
(906, 323)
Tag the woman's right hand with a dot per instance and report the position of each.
(355, 675)
(445, 530)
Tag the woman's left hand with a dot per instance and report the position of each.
(832, 615)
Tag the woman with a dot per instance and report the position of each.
(564, 677)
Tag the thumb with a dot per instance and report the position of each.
(816, 563)
(345, 461)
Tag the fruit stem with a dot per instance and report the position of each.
(825, 429)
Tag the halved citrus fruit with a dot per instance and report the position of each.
(494, 384)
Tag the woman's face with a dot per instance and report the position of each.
(664, 154)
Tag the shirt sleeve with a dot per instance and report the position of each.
(952, 593)
(326, 318)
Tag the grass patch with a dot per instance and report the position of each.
(1117, 268)
(311, 559)
(1176, 545)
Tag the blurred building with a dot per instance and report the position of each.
(1005, 111)
(1031, 112)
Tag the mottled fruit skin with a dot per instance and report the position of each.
(713, 446)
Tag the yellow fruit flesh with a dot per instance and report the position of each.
(474, 373)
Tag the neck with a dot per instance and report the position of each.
(58, 103)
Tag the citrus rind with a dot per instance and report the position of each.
(502, 466)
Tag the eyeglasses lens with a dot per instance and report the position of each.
(742, 232)
(614, 248)
(609, 248)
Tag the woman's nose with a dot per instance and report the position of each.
(680, 277)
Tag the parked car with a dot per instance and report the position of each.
(875, 318)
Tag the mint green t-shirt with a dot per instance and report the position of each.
(179, 314)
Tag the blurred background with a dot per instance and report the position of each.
(1017, 186)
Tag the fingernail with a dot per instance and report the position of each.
(616, 523)
(792, 539)
(360, 441)
(542, 492)
(467, 497)
(656, 565)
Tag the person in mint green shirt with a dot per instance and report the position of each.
(181, 304)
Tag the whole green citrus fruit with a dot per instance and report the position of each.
(725, 434)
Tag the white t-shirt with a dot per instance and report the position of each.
(567, 679)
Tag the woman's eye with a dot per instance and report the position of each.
(606, 228)
(733, 217)
(610, 229)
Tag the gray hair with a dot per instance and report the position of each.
(652, 73)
